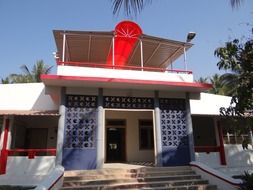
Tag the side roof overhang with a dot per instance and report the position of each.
(94, 47)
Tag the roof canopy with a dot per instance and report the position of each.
(94, 47)
(30, 112)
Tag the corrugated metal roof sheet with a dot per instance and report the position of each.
(30, 112)
(94, 47)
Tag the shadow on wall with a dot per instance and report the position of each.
(79, 159)
(236, 156)
(177, 156)
(45, 102)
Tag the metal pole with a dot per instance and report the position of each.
(141, 47)
(113, 51)
(63, 47)
(185, 63)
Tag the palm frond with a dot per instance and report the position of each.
(25, 69)
(235, 3)
(130, 7)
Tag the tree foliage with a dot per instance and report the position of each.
(28, 75)
(134, 7)
(237, 59)
(130, 7)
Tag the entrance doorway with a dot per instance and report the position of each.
(115, 146)
(129, 136)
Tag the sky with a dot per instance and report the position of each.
(26, 27)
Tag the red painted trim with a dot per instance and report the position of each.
(96, 65)
(55, 182)
(4, 152)
(207, 149)
(129, 81)
(31, 153)
(219, 177)
(222, 149)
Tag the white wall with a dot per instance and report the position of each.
(238, 160)
(27, 96)
(209, 104)
(132, 133)
(123, 74)
(21, 165)
(211, 159)
(24, 171)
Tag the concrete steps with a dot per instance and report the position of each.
(172, 178)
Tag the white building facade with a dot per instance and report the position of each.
(113, 99)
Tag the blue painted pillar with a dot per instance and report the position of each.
(61, 123)
(189, 127)
(100, 129)
(158, 156)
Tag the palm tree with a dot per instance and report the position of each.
(230, 82)
(5, 81)
(31, 75)
(133, 7)
(235, 3)
(202, 80)
(39, 68)
(218, 86)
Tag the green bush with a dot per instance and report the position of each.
(247, 181)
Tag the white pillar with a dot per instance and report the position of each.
(250, 137)
(100, 130)
(10, 134)
(158, 156)
(61, 124)
(189, 127)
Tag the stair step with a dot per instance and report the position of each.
(138, 184)
(97, 172)
(157, 178)
(128, 175)
(111, 179)
(193, 187)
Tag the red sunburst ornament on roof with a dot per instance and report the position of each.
(127, 34)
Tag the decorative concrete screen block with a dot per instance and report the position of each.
(79, 149)
(175, 146)
(128, 102)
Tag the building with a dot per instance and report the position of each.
(116, 97)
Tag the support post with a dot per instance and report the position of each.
(250, 137)
(61, 124)
(4, 151)
(185, 63)
(222, 149)
(189, 127)
(141, 47)
(158, 156)
(100, 128)
(113, 52)
(63, 47)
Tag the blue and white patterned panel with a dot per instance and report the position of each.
(175, 146)
(80, 128)
(128, 102)
(79, 149)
